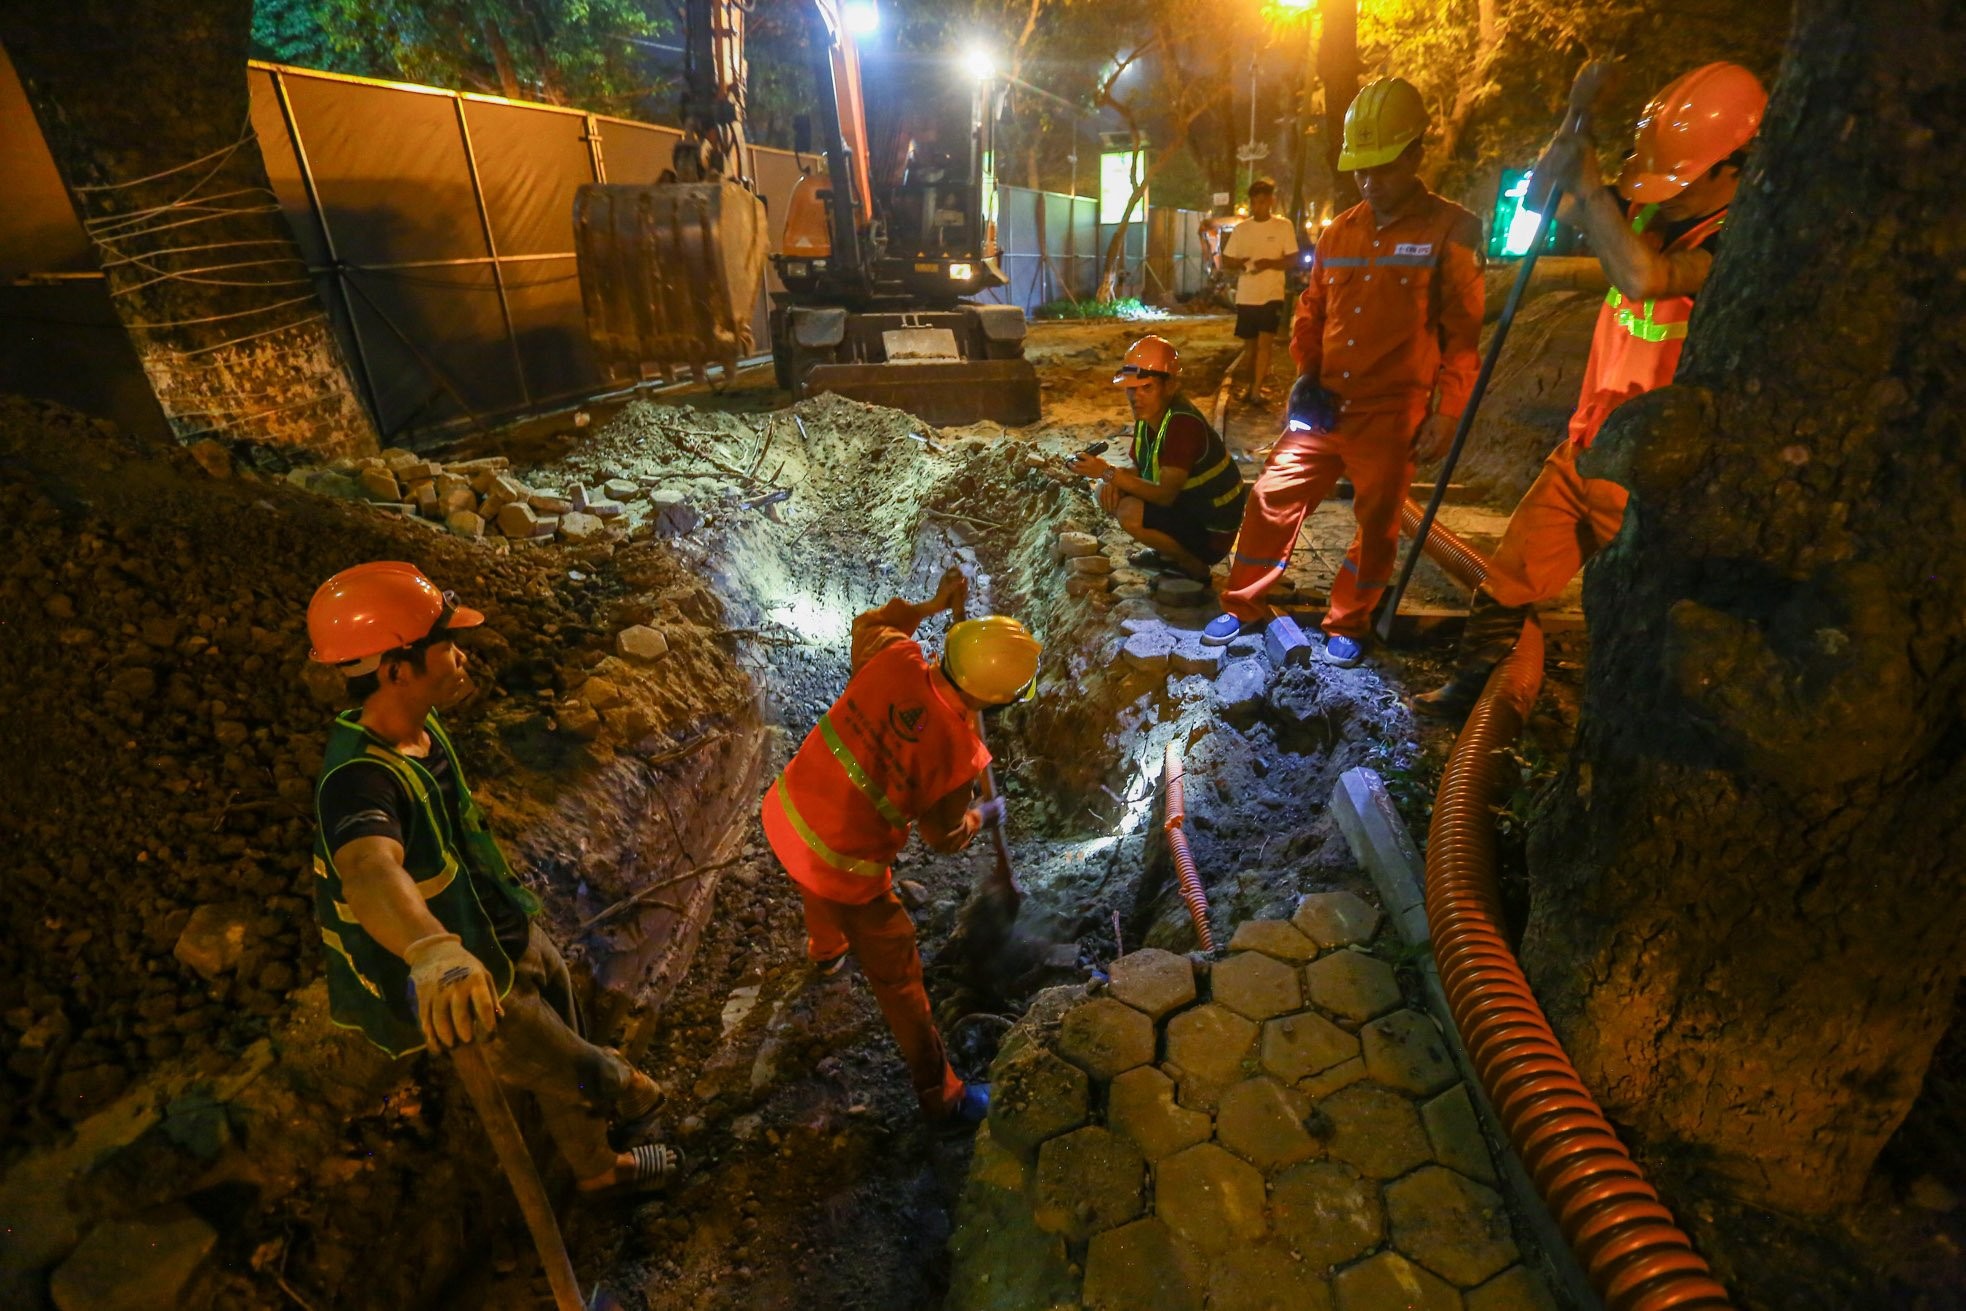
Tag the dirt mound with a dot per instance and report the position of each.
(1530, 396)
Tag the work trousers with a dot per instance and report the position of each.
(538, 1048)
(1376, 452)
(882, 938)
(1561, 522)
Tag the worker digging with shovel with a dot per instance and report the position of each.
(902, 746)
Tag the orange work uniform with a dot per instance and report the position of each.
(897, 746)
(1565, 518)
(1390, 318)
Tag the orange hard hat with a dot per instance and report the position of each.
(1148, 358)
(368, 610)
(1695, 122)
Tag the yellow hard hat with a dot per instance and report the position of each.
(1386, 117)
(994, 659)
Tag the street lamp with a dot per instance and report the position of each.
(980, 62)
(860, 18)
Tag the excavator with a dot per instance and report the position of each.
(876, 281)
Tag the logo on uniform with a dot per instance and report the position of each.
(1414, 248)
(906, 721)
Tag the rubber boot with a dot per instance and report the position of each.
(1491, 631)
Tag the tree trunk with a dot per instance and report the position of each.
(144, 107)
(1747, 922)
(1337, 68)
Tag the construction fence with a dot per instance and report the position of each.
(438, 227)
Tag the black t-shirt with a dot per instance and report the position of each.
(365, 799)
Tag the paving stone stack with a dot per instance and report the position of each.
(480, 498)
(1276, 1129)
(1088, 570)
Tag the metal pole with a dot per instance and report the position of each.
(593, 140)
(327, 242)
(491, 248)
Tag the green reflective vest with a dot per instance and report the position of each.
(368, 985)
(1214, 492)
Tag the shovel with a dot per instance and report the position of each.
(1543, 199)
(495, 1113)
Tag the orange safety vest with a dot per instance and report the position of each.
(891, 747)
(1635, 350)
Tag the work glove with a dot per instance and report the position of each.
(1311, 408)
(989, 813)
(453, 988)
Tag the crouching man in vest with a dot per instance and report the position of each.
(900, 747)
(1655, 236)
(1183, 499)
(430, 938)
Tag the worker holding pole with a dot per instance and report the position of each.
(1655, 236)
(430, 939)
(901, 746)
(1385, 345)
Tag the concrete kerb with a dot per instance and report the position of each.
(1380, 842)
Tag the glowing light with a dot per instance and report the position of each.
(961, 272)
(810, 619)
(1296, 6)
(980, 62)
(860, 18)
(1522, 224)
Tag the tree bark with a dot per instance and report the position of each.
(1746, 919)
(144, 105)
(1337, 69)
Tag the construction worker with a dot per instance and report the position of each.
(901, 746)
(1259, 251)
(1655, 236)
(1183, 499)
(430, 939)
(1384, 341)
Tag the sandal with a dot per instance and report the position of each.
(655, 1164)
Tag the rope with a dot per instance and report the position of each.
(221, 154)
(219, 318)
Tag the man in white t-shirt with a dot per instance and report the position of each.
(1259, 250)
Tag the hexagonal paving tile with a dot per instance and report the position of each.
(1105, 1038)
(1263, 1122)
(1256, 985)
(1390, 1282)
(1405, 1050)
(1515, 1289)
(1327, 1212)
(1451, 1225)
(1298, 1046)
(1456, 1134)
(1142, 1267)
(1352, 985)
(1153, 981)
(1273, 938)
(1336, 919)
(1140, 1105)
(1265, 1277)
(1375, 1129)
(1342, 1075)
(1206, 1049)
(1209, 1197)
(1035, 1096)
(1087, 1181)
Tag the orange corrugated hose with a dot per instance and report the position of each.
(1444, 548)
(1185, 873)
(1636, 1257)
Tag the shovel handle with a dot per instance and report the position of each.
(1583, 93)
(495, 1113)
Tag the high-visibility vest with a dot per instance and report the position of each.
(454, 870)
(1214, 493)
(1635, 347)
(892, 746)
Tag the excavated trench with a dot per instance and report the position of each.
(629, 789)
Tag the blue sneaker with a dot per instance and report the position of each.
(1343, 651)
(973, 1107)
(1224, 629)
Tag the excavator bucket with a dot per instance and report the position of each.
(946, 367)
(669, 275)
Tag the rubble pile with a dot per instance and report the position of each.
(164, 728)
